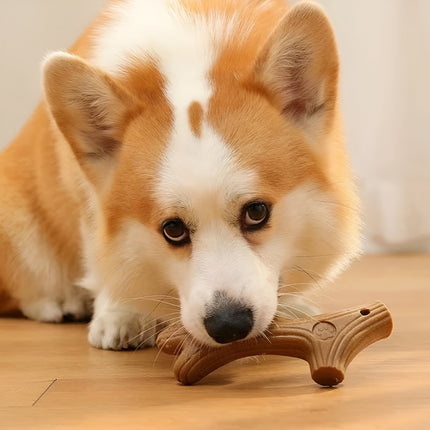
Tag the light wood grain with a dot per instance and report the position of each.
(51, 378)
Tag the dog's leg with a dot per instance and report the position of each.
(40, 279)
(118, 326)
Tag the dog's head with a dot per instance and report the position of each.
(232, 191)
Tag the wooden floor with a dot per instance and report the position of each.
(50, 378)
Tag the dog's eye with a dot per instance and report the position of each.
(255, 215)
(176, 232)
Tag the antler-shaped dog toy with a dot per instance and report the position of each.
(328, 342)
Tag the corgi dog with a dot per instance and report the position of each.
(187, 163)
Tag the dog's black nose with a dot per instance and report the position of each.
(229, 323)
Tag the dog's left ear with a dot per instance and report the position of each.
(298, 67)
(90, 108)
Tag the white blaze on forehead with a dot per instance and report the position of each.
(201, 174)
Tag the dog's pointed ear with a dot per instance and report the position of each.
(298, 67)
(89, 107)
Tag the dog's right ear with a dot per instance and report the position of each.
(89, 107)
(298, 67)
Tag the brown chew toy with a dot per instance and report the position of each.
(328, 342)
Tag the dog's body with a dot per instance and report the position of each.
(185, 148)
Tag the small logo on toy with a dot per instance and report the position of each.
(324, 330)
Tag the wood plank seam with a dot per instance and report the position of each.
(44, 392)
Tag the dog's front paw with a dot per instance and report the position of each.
(121, 330)
(44, 309)
(74, 305)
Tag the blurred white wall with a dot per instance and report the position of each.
(29, 29)
(385, 88)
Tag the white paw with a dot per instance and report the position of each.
(44, 309)
(121, 330)
(75, 306)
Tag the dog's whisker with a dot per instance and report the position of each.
(156, 296)
(292, 310)
(184, 340)
(295, 286)
(159, 303)
(305, 298)
(275, 322)
(165, 303)
(155, 334)
(283, 306)
(286, 314)
(167, 340)
(293, 294)
(158, 299)
(264, 335)
(298, 268)
(298, 296)
(174, 305)
(310, 273)
(152, 325)
(316, 277)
